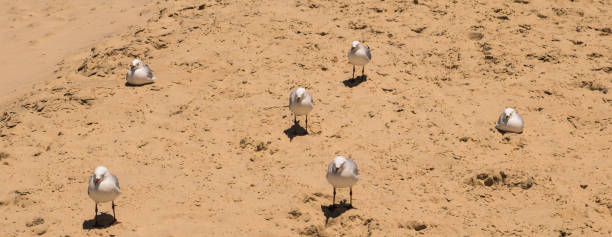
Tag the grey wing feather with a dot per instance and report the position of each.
(311, 98)
(91, 184)
(149, 72)
(368, 53)
(116, 180)
(354, 165)
(291, 96)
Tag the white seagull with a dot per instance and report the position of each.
(103, 187)
(510, 121)
(300, 103)
(139, 74)
(359, 55)
(342, 173)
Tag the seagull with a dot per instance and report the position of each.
(300, 103)
(139, 74)
(103, 187)
(342, 173)
(510, 121)
(359, 55)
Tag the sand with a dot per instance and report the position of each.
(210, 149)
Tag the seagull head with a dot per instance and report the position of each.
(99, 174)
(355, 44)
(338, 164)
(136, 63)
(508, 112)
(299, 93)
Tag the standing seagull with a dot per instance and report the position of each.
(139, 74)
(300, 103)
(342, 173)
(103, 187)
(359, 55)
(510, 121)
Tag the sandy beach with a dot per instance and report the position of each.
(210, 149)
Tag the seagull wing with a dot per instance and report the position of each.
(116, 181)
(310, 98)
(353, 166)
(91, 184)
(368, 53)
(292, 98)
(149, 72)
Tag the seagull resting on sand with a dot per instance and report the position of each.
(103, 187)
(300, 103)
(510, 121)
(139, 74)
(359, 55)
(342, 173)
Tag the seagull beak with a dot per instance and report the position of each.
(97, 181)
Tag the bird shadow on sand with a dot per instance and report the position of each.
(353, 82)
(295, 130)
(502, 132)
(132, 85)
(333, 211)
(104, 221)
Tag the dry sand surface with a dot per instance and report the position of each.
(211, 150)
(36, 35)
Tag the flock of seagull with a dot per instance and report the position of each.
(341, 172)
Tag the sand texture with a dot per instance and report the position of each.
(210, 149)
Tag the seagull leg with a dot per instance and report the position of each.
(353, 71)
(362, 70)
(334, 200)
(294, 118)
(96, 216)
(351, 193)
(307, 123)
(114, 216)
